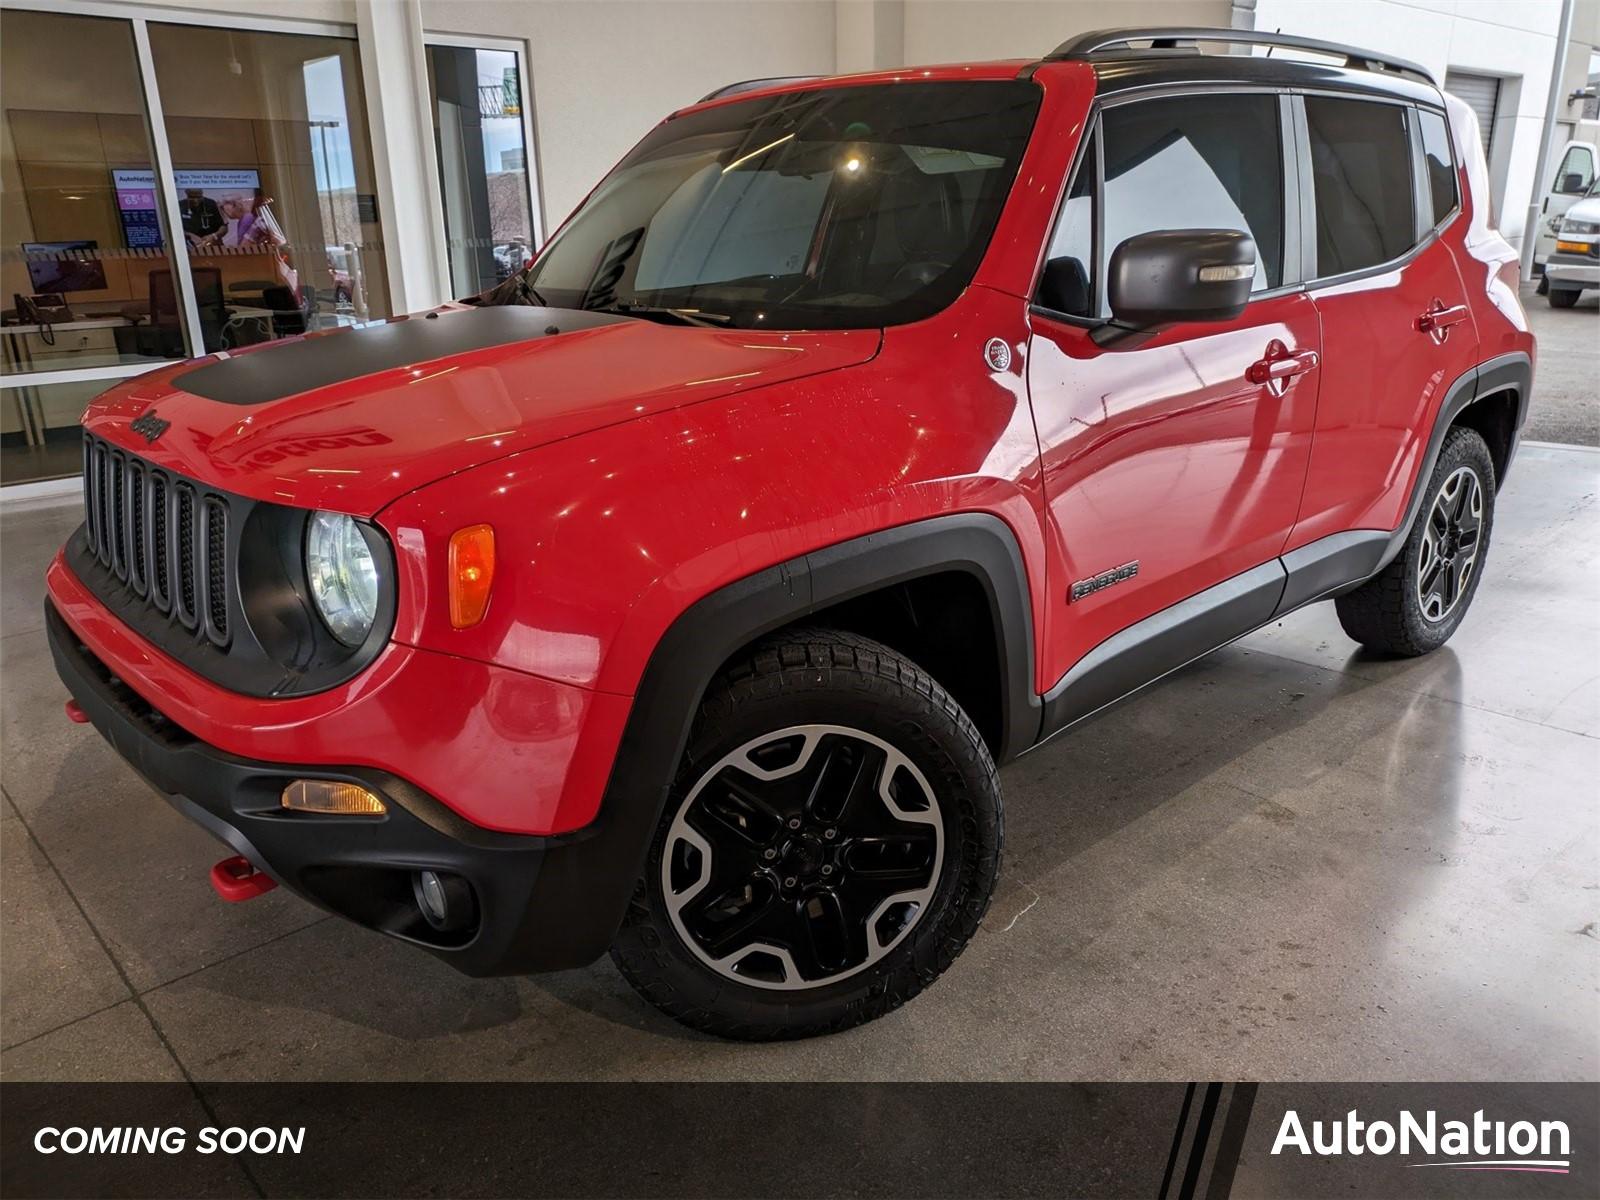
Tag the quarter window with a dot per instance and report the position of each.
(1065, 286)
(1361, 177)
(1441, 167)
(1196, 162)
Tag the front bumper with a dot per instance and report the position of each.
(543, 903)
(1573, 270)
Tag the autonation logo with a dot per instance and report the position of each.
(1476, 1145)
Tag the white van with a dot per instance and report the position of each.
(1571, 180)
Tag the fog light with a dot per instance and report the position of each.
(329, 796)
(445, 900)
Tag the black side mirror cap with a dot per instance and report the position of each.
(1172, 276)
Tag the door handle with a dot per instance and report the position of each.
(1436, 322)
(1278, 366)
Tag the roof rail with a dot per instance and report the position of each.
(750, 85)
(1087, 45)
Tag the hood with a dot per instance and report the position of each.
(1587, 209)
(350, 419)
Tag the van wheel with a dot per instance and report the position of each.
(1415, 603)
(828, 848)
(1564, 297)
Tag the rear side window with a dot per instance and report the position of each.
(1361, 176)
(1441, 166)
(1196, 162)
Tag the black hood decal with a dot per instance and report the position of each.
(291, 368)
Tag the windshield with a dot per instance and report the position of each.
(841, 208)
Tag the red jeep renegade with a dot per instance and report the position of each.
(679, 596)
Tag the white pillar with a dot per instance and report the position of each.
(868, 35)
(395, 74)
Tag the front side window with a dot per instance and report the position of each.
(1441, 166)
(1577, 171)
(1196, 162)
(848, 207)
(1361, 178)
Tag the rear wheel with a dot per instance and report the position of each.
(829, 847)
(1415, 603)
(1563, 297)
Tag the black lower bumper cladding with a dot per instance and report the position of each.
(358, 867)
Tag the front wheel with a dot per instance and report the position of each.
(1415, 603)
(1564, 297)
(827, 850)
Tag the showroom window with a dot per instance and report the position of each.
(77, 280)
(125, 137)
(273, 171)
(482, 137)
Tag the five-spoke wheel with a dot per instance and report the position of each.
(802, 857)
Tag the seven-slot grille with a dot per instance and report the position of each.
(159, 534)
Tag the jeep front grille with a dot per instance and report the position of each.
(160, 535)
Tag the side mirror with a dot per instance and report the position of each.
(1177, 275)
(1571, 184)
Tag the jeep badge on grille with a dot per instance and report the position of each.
(149, 426)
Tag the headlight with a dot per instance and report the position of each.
(343, 575)
(1581, 228)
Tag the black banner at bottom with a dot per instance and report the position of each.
(1172, 1141)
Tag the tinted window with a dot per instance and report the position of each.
(1361, 172)
(844, 207)
(1199, 162)
(1064, 286)
(1441, 167)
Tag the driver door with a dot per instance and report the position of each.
(1177, 465)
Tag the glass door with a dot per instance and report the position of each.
(486, 167)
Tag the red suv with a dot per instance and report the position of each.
(679, 596)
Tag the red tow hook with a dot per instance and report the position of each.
(75, 713)
(237, 880)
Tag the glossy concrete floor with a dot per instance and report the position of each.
(1290, 861)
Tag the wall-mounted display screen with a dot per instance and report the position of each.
(217, 208)
(64, 266)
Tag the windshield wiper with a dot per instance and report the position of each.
(688, 316)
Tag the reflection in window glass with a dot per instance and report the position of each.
(1361, 175)
(274, 178)
(75, 277)
(1441, 166)
(40, 427)
(1065, 286)
(484, 164)
(1199, 162)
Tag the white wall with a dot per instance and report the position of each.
(605, 71)
(941, 31)
(1514, 39)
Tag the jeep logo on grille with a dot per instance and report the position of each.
(149, 426)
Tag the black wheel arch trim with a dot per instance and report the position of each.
(590, 882)
(1506, 372)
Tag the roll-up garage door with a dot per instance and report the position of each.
(1482, 93)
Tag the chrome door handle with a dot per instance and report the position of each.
(1436, 322)
(1278, 366)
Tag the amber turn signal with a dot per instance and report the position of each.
(471, 574)
(331, 797)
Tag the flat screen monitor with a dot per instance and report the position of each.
(64, 266)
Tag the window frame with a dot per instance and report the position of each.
(535, 165)
(1425, 230)
(1294, 177)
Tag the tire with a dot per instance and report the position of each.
(1544, 285)
(1564, 297)
(1410, 607)
(913, 802)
